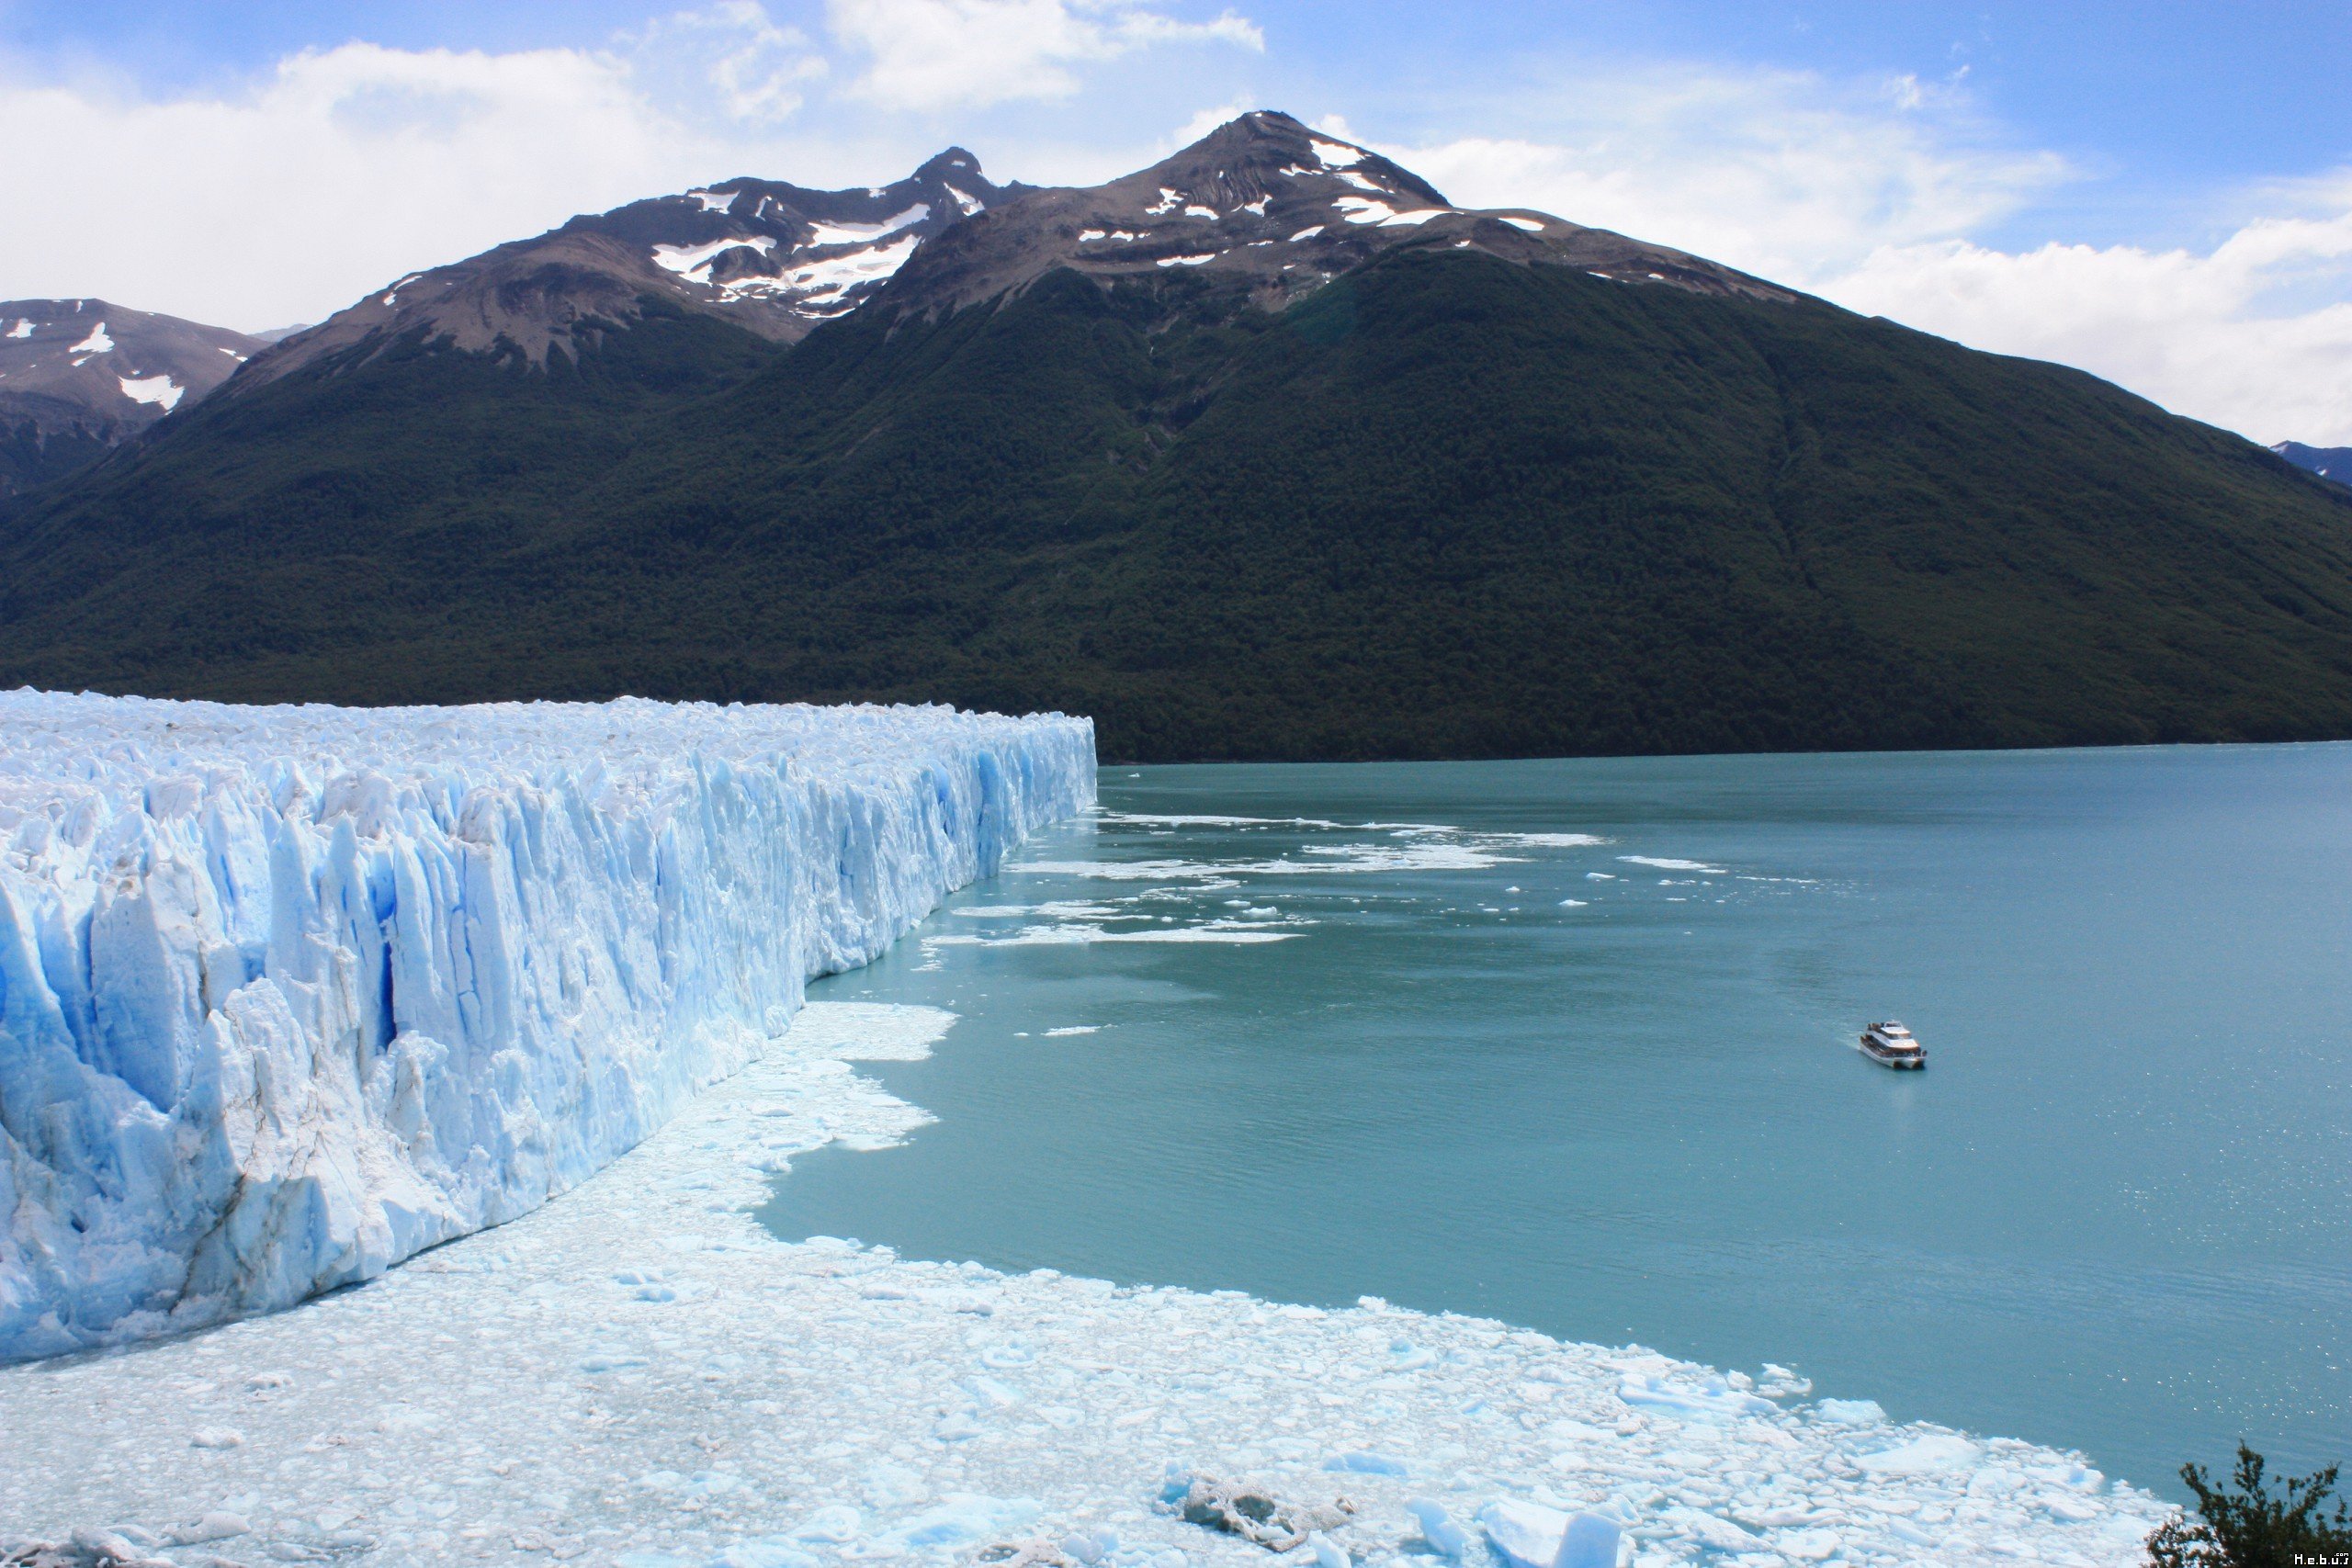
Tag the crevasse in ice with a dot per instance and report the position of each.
(289, 994)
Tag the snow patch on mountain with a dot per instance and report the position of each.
(828, 279)
(159, 389)
(289, 994)
(97, 342)
(856, 233)
(692, 262)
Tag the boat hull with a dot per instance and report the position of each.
(1901, 1061)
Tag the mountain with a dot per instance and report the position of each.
(2327, 462)
(1266, 451)
(771, 259)
(81, 376)
(1265, 203)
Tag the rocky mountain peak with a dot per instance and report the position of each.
(1275, 208)
(769, 256)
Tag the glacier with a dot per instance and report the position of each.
(290, 994)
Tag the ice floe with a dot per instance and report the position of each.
(639, 1374)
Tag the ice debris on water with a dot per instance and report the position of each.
(290, 994)
(780, 1411)
(1255, 1514)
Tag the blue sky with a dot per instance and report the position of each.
(2162, 193)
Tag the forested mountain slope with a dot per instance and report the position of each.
(1456, 494)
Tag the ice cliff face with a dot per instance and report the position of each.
(289, 994)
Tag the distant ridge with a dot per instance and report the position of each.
(80, 376)
(2327, 462)
(1266, 451)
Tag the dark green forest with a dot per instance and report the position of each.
(1445, 506)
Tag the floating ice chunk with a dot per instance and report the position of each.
(217, 1437)
(1362, 1463)
(773, 1553)
(1716, 1401)
(1070, 1028)
(1711, 1531)
(1589, 1541)
(1091, 1546)
(832, 1525)
(1330, 1553)
(1446, 1538)
(1923, 1456)
(1526, 1535)
(963, 1517)
(1852, 1412)
(218, 1525)
(991, 1395)
(1665, 863)
(97, 342)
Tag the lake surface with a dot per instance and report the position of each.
(1427, 1044)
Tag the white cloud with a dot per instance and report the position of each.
(336, 172)
(931, 54)
(1869, 196)
(757, 70)
(2196, 332)
(1779, 173)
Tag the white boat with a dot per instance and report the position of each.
(1892, 1046)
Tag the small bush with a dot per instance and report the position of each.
(2244, 1526)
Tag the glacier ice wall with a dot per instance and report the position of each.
(289, 994)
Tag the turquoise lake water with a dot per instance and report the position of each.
(1608, 1090)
